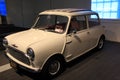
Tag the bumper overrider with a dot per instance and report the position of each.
(16, 64)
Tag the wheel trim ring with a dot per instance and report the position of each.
(54, 67)
(101, 44)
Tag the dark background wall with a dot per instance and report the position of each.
(22, 13)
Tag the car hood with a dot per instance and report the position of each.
(24, 39)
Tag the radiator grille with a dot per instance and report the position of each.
(18, 55)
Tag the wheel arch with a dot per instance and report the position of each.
(57, 55)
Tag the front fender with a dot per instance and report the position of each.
(45, 49)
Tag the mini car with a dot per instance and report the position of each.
(57, 37)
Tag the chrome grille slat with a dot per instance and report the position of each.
(18, 55)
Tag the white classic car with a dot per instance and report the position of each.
(57, 37)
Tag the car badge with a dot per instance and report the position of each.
(14, 45)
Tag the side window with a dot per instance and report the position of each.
(77, 23)
(82, 22)
(93, 20)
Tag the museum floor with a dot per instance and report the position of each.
(95, 65)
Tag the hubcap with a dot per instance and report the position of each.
(54, 67)
(101, 42)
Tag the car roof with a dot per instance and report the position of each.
(68, 11)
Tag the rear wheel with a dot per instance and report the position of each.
(100, 43)
(53, 67)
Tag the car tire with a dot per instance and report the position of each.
(53, 67)
(100, 43)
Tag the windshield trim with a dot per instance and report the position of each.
(55, 22)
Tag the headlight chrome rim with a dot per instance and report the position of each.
(30, 54)
(5, 42)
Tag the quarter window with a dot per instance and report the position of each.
(93, 20)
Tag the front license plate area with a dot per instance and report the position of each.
(13, 65)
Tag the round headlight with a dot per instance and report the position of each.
(30, 53)
(5, 42)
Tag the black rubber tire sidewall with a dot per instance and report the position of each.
(45, 71)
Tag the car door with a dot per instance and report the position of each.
(77, 41)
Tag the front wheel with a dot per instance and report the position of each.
(53, 67)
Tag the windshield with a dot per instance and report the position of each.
(53, 23)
